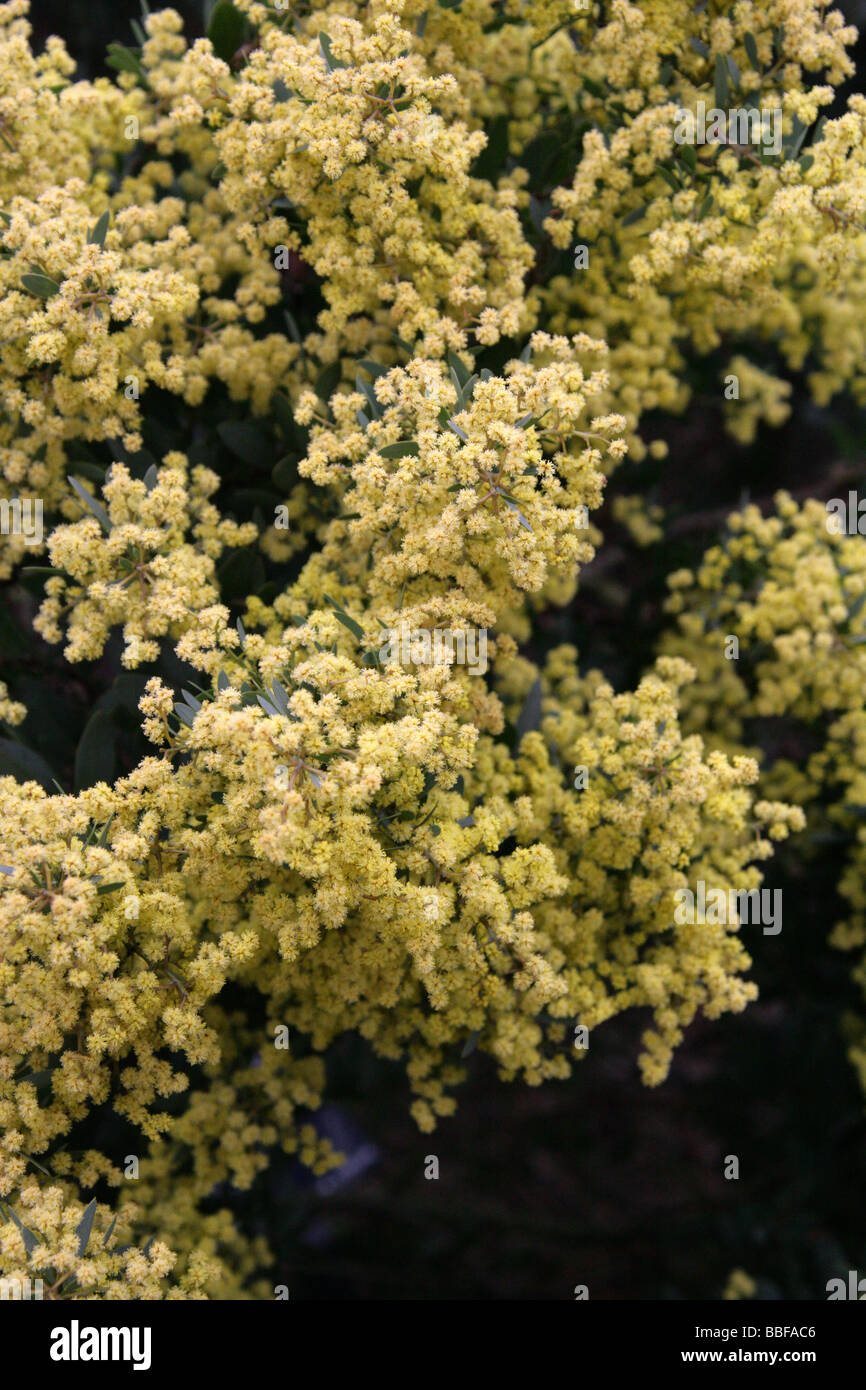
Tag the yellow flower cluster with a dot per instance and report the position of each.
(423, 853)
(695, 244)
(130, 562)
(791, 588)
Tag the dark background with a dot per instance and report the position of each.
(598, 1180)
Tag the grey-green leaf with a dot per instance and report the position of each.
(30, 1239)
(92, 505)
(635, 215)
(95, 754)
(330, 61)
(529, 718)
(404, 448)
(520, 517)
(40, 285)
(341, 616)
(85, 1226)
(96, 236)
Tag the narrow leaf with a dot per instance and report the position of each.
(85, 1226)
(330, 61)
(721, 83)
(529, 718)
(92, 505)
(96, 236)
(30, 1240)
(635, 215)
(354, 628)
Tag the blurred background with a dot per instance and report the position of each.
(598, 1180)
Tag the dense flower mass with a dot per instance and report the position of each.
(331, 324)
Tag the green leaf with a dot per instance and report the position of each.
(96, 236)
(529, 718)
(30, 1239)
(700, 47)
(281, 697)
(752, 51)
(806, 163)
(92, 505)
(330, 61)
(856, 607)
(635, 215)
(95, 472)
(799, 132)
(95, 754)
(124, 59)
(21, 762)
(226, 30)
(240, 573)
(247, 442)
(706, 206)
(461, 433)
(404, 448)
(461, 372)
(734, 70)
(365, 389)
(281, 92)
(688, 156)
(327, 381)
(110, 1232)
(343, 617)
(512, 506)
(492, 159)
(721, 83)
(109, 888)
(85, 1226)
(40, 285)
(184, 714)
(374, 368)
(471, 1043)
(285, 473)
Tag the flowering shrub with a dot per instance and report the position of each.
(296, 348)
